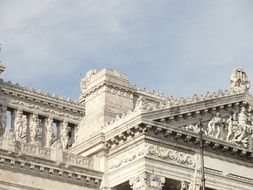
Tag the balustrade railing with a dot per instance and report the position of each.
(54, 153)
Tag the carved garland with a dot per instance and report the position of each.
(152, 151)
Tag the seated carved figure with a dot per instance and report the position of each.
(214, 126)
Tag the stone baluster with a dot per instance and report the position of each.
(146, 181)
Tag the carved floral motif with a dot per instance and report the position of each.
(147, 181)
(153, 151)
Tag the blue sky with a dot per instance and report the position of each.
(177, 47)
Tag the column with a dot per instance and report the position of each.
(146, 181)
(3, 119)
(64, 134)
(29, 118)
(17, 122)
(48, 131)
(33, 128)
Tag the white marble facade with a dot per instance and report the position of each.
(119, 137)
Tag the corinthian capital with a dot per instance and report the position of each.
(146, 181)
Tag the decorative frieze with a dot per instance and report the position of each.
(152, 151)
(76, 160)
(235, 129)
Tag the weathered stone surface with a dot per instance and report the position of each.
(119, 137)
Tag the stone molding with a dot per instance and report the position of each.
(54, 153)
(46, 170)
(154, 152)
(44, 109)
(148, 106)
(37, 96)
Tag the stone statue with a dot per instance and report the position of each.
(34, 128)
(193, 128)
(22, 129)
(64, 134)
(10, 140)
(141, 103)
(214, 126)
(18, 124)
(3, 120)
(231, 126)
(49, 132)
(239, 80)
(86, 80)
(185, 186)
(243, 129)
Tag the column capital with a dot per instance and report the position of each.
(147, 181)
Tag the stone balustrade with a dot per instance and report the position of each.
(54, 153)
(34, 128)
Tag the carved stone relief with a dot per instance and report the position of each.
(146, 181)
(237, 128)
(155, 152)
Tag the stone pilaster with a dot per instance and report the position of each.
(146, 181)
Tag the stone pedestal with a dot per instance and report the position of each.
(146, 181)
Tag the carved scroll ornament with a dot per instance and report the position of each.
(153, 151)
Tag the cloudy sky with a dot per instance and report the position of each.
(177, 47)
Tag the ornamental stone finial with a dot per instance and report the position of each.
(239, 80)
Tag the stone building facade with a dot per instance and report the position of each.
(120, 137)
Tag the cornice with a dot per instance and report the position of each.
(50, 170)
(180, 138)
(39, 97)
(193, 107)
